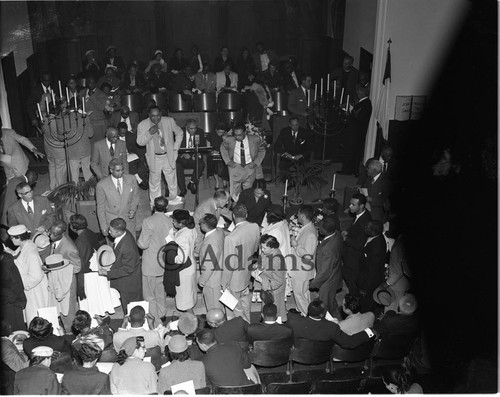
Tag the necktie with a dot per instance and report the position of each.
(53, 248)
(111, 150)
(384, 169)
(30, 211)
(294, 137)
(242, 154)
(191, 141)
(228, 81)
(118, 186)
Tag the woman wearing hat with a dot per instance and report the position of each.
(182, 368)
(131, 375)
(27, 260)
(157, 58)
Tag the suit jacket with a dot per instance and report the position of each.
(152, 238)
(14, 161)
(397, 324)
(234, 330)
(116, 117)
(199, 133)
(86, 243)
(208, 85)
(101, 157)
(194, 62)
(212, 259)
(329, 264)
(225, 364)
(236, 272)
(155, 82)
(219, 64)
(35, 97)
(140, 82)
(297, 101)
(43, 215)
(271, 80)
(351, 79)
(285, 143)
(37, 379)
(305, 252)
(68, 250)
(9, 196)
(372, 265)
(257, 149)
(168, 128)
(125, 274)
(288, 82)
(323, 330)
(111, 205)
(79, 148)
(256, 209)
(355, 241)
(95, 103)
(359, 119)
(208, 207)
(181, 83)
(265, 331)
(117, 61)
(379, 191)
(271, 54)
(221, 81)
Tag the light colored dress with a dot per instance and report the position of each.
(34, 280)
(186, 292)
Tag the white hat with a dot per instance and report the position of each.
(17, 230)
(55, 262)
(42, 351)
(41, 240)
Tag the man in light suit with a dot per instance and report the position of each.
(106, 149)
(328, 277)
(152, 238)
(125, 274)
(34, 212)
(211, 261)
(304, 250)
(9, 195)
(226, 80)
(301, 99)
(205, 80)
(243, 154)
(125, 116)
(239, 247)
(116, 197)
(62, 244)
(157, 134)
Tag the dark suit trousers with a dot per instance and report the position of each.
(327, 295)
(349, 275)
(181, 164)
(130, 296)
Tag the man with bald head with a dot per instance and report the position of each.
(379, 188)
(106, 149)
(234, 330)
(125, 116)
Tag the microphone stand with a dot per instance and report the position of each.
(196, 160)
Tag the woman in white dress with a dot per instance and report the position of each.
(27, 260)
(184, 234)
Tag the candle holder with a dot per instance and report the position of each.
(332, 193)
(286, 204)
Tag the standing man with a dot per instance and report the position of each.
(354, 241)
(127, 117)
(36, 95)
(379, 190)
(211, 261)
(157, 134)
(292, 144)
(79, 150)
(348, 77)
(328, 279)
(300, 99)
(106, 149)
(239, 247)
(62, 244)
(243, 154)
(117, 197)
(152, 238)
(9, 195)
(125, 274)
(262, 57)
(95, 103)
(304, 249)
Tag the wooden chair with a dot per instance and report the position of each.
(309, 352)
(289, 388)
(271, 353)
(345, 386)
(362, 353)
(394, 347)
(247, 389)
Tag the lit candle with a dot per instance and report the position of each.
(315, 91)
(83, 104)
(286, 186)
(342, 96)
(347, 106)
(334, 88)
(53, 97)
(39, 111)
(60, 90)
(47, 104)
(67, 95)
(322, 86)
(328, 83)
(76, 102)
(309, 98)
(333, 183)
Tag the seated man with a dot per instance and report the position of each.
(226, 80)
(292, 145)
(269, 329)
(315, 327)
(257, 200)
(355, 321)
(225, 364)
(192, 136)
(404, 322)
(234, 330)
(183, 83)
(131, 119)
(105, 150)
(205, 80)
(158, 81)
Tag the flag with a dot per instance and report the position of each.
(382, 111)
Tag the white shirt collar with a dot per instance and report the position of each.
(109, 143)
(25, 205)
(376, 177)
(362, 99)
(327, 237)
(357, 216)
(210, 232)
(115, 181)
(270, 322)
(118, 239)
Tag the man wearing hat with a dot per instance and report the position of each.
(38, 378)
(90, 65)
(60, 276)
(404, 322)
(114, 60)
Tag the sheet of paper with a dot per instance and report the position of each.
(147, 359)
(231, 227)
(221, 223)
(174, 325)
(187, 387)
(104, 367)
(132, 157)
(50, 314)
(228, 299)
(364, 191)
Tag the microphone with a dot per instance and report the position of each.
(197, 140)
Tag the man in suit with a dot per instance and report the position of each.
(328, 279)
(95, 103)
(191, 136)
(157, 134)
(354, 241)
(315, 327)
(390, 166)
(197, 60)
(9, 195)
(268, 329)
(348, 77)
(262, 57)
(62, 244)
(379, 189)
(257, 199)
(292, 145)
(234, 330)
(289, 77)
(87, 242)
(205, 80)
(226, 80)
(152, 238)
(402, 322)
(125, 274)
(355, 132)
(330, 209)
(300, 99)
(239, 247)
(44, 87)
(32, 211)
(114, 60)
(116, 197)
(139, 166)
(304, 251)
(211, 261)
(243, 154)
(127, 117)
(158, 80)
(106, 149)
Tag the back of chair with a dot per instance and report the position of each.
(289, 388)
(247, 389)
(345, 386)
(271, 353)
(360, 353)
(393, 346)
(311, 352)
